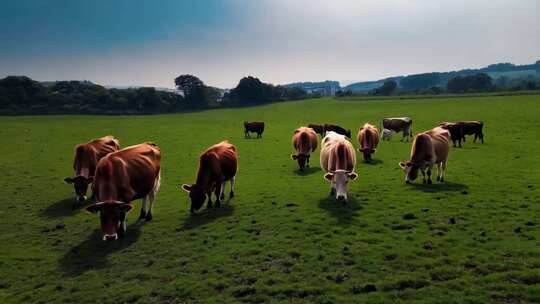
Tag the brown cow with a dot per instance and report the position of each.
(304, 142)
(255, 127)
(121, 177)
(86, 158)
(337, 129)
(319, 129)
(338, 160)
(399, 124)
(368, 137)
(428, 148)
(217, 165)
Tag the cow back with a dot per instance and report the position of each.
(337, 153)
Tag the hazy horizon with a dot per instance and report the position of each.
(144, 43)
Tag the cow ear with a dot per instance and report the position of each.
(90, 179)
(293, 156)
(352, 175)
(68, 180)
(329, 176)
(126, 207)
(402, 165)
(187, 188)
(93, 208)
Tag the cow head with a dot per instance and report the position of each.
(112, 218)
(411, 171)
(366, 152)
(80, 183)
(197, 195)
(301, 159)
(339, 180)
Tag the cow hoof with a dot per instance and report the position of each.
(231, 194)
(438, 179)
(209, 206)
(148, 217)
(218, 204)
(441, 180)
(407, 182)
(429, 182)
(222, 196)
(423, 181)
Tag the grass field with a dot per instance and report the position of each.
(474, 239)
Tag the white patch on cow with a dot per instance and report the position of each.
(387, 134)
(233, 179)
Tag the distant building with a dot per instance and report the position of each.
(324, 88)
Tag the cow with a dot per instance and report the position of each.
(255, 127)
(338, 159)
(337, 129)
(217, 165)
(304, 142)
(86, 158)
(473, 127)
(459, 129)
(122, 177)
(428, 148)
(368, 137)
(319, 129)
(399, 124)
(387, 134)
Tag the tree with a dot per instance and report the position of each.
(420, 81)
(196, 93)
(387, 88)
(471, 83)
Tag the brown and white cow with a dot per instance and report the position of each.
(121, 177)
(217, 165)
(337, 129)
(428, 148)
(338, 160)
(368, 137)
(304, 142)
(399, 124)
(86, 158)
(319, 129)
(255, 127)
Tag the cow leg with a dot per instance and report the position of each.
(217, 192)
(429, 181)
(209, 194)
(454, 141)
(439, 170)
(482, 137)
(475, 137)
(332, 188)
(443, 171)
(222, 191)
(231, 194)
(143, 208)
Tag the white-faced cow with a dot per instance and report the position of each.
(338, 160)
(121, 177)
(304, 142)
(399, 124)
(217, 165)
(368, 137)
(86, 158)
(428, 148)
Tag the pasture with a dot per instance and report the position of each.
(282, 238)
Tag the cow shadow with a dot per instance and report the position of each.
(342, 212)
(373, 162)
(307, 171)
(439, 187)
(207, 216)
(64, 207)
(91, 254)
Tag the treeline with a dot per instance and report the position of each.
(22, 95)
(425, 84)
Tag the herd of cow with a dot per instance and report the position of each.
(120, 176)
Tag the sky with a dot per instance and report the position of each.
(149, 42)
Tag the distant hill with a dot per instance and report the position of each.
(501, 73)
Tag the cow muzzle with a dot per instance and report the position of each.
(110, 237)
(81, 199)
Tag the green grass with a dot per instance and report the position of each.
(474, 239)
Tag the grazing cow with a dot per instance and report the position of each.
(255, 127)
(86, 158)
(459, 129)
(304, 142)
(338, 160)
(399, 124)
(319, 129)
(368, 137)
(428, 148)
(121, 177)
(387, 134)
(217, 165)
(337, 129)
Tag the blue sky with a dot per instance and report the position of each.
(121, 42)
